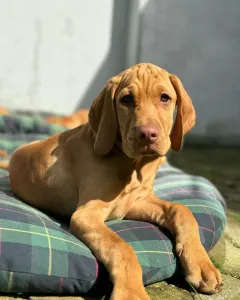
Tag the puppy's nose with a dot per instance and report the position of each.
(148, 133)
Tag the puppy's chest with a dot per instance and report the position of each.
(136, 186)
(135, 190)
(117, 182)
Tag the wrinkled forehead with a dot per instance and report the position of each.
(145, 79)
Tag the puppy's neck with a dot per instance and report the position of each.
(138, 164)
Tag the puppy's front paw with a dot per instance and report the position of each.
(199, 270)
(206, 278)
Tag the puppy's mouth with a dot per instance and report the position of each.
(150, 149)
(135, 148)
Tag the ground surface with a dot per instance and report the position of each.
(222, 167)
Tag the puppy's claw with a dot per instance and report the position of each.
(202, 284)
(179, 249)
(218, 287)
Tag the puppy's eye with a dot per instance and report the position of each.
(128, 99)
(165, 98)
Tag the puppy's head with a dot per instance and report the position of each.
(137, 107)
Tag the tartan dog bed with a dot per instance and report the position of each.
(39, 255)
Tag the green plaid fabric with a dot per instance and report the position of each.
(27, 123)
(17, 129)
(39, 255)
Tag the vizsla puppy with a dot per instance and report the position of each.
(105, 169)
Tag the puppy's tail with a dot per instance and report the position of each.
(4, 165)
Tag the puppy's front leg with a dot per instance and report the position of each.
(87, 223)
(179, 220)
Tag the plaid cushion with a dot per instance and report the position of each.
(39, 255)
(25, 123)
(17, 129)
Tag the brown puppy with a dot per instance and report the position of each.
(104, 170)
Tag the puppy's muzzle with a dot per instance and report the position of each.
(147, 134)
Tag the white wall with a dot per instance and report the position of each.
(200, 42)
(56, 55)
(50, 51)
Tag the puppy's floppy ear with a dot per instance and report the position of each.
(185, 118)
(103, 119)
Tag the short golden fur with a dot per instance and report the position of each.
(105, 169)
